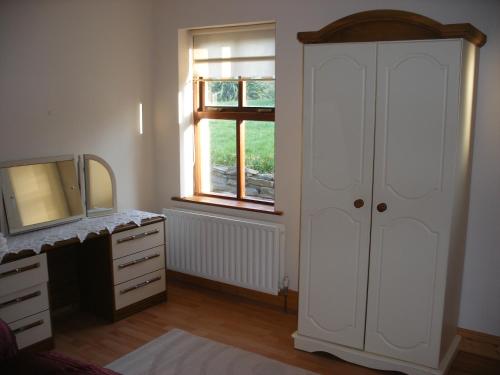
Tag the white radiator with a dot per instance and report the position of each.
(246, 253)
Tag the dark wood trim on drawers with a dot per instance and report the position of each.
(390, 25)
(140, 305)
(97, 271)
(109, 311)
(114, 314)
(39, 346)
(81, 278)
(88, 266)
(11, 257)
(144, 222)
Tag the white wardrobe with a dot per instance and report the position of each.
(386, 164)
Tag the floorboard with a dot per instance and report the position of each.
(220, 317)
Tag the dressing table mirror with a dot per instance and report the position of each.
(100, 186)
(44, 192)
(40, 193)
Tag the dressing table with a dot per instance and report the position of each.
(110, 265)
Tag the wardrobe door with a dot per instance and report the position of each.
(415, 148)
(339, 105)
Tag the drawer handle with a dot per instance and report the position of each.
(140, 285)
(15, 271)
(138, 236)
(20, 299)
(29, 326)
(137, 261)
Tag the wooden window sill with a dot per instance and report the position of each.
(229, 203)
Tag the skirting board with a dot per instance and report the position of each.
(375, 361)
(268, 299)
(479, 343)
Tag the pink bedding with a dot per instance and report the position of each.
(43, 363)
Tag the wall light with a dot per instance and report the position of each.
(141, 129)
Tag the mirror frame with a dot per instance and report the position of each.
(29, 228)
(86, 178)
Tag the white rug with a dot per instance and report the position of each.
(180, 353)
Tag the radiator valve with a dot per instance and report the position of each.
(283, 286)
(283, 291)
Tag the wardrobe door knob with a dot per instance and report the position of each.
(381, 207)
(358, 203)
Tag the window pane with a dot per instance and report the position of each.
(259, 159)
(259, 94)
(218, 156)
(221, 93)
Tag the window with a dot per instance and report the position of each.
(234, 106)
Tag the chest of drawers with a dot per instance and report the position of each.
(113, 275)
(24, 302)
(138, 262)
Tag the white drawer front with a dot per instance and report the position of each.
(140, 288)
(32, 329)
(24, 303)
(138, 239)
(138, 264)
(23, 273)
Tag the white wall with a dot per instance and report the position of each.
(72, 73)
(480, 308)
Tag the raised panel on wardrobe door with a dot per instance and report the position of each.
(415, 149)
(339, 105)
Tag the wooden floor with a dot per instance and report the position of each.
(230, 320)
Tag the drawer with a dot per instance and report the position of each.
(23, 274)
(138, 264)
(24, 303)
(137, 239)
(139, 288)
(32, 329)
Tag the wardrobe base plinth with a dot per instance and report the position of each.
(375, 361)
